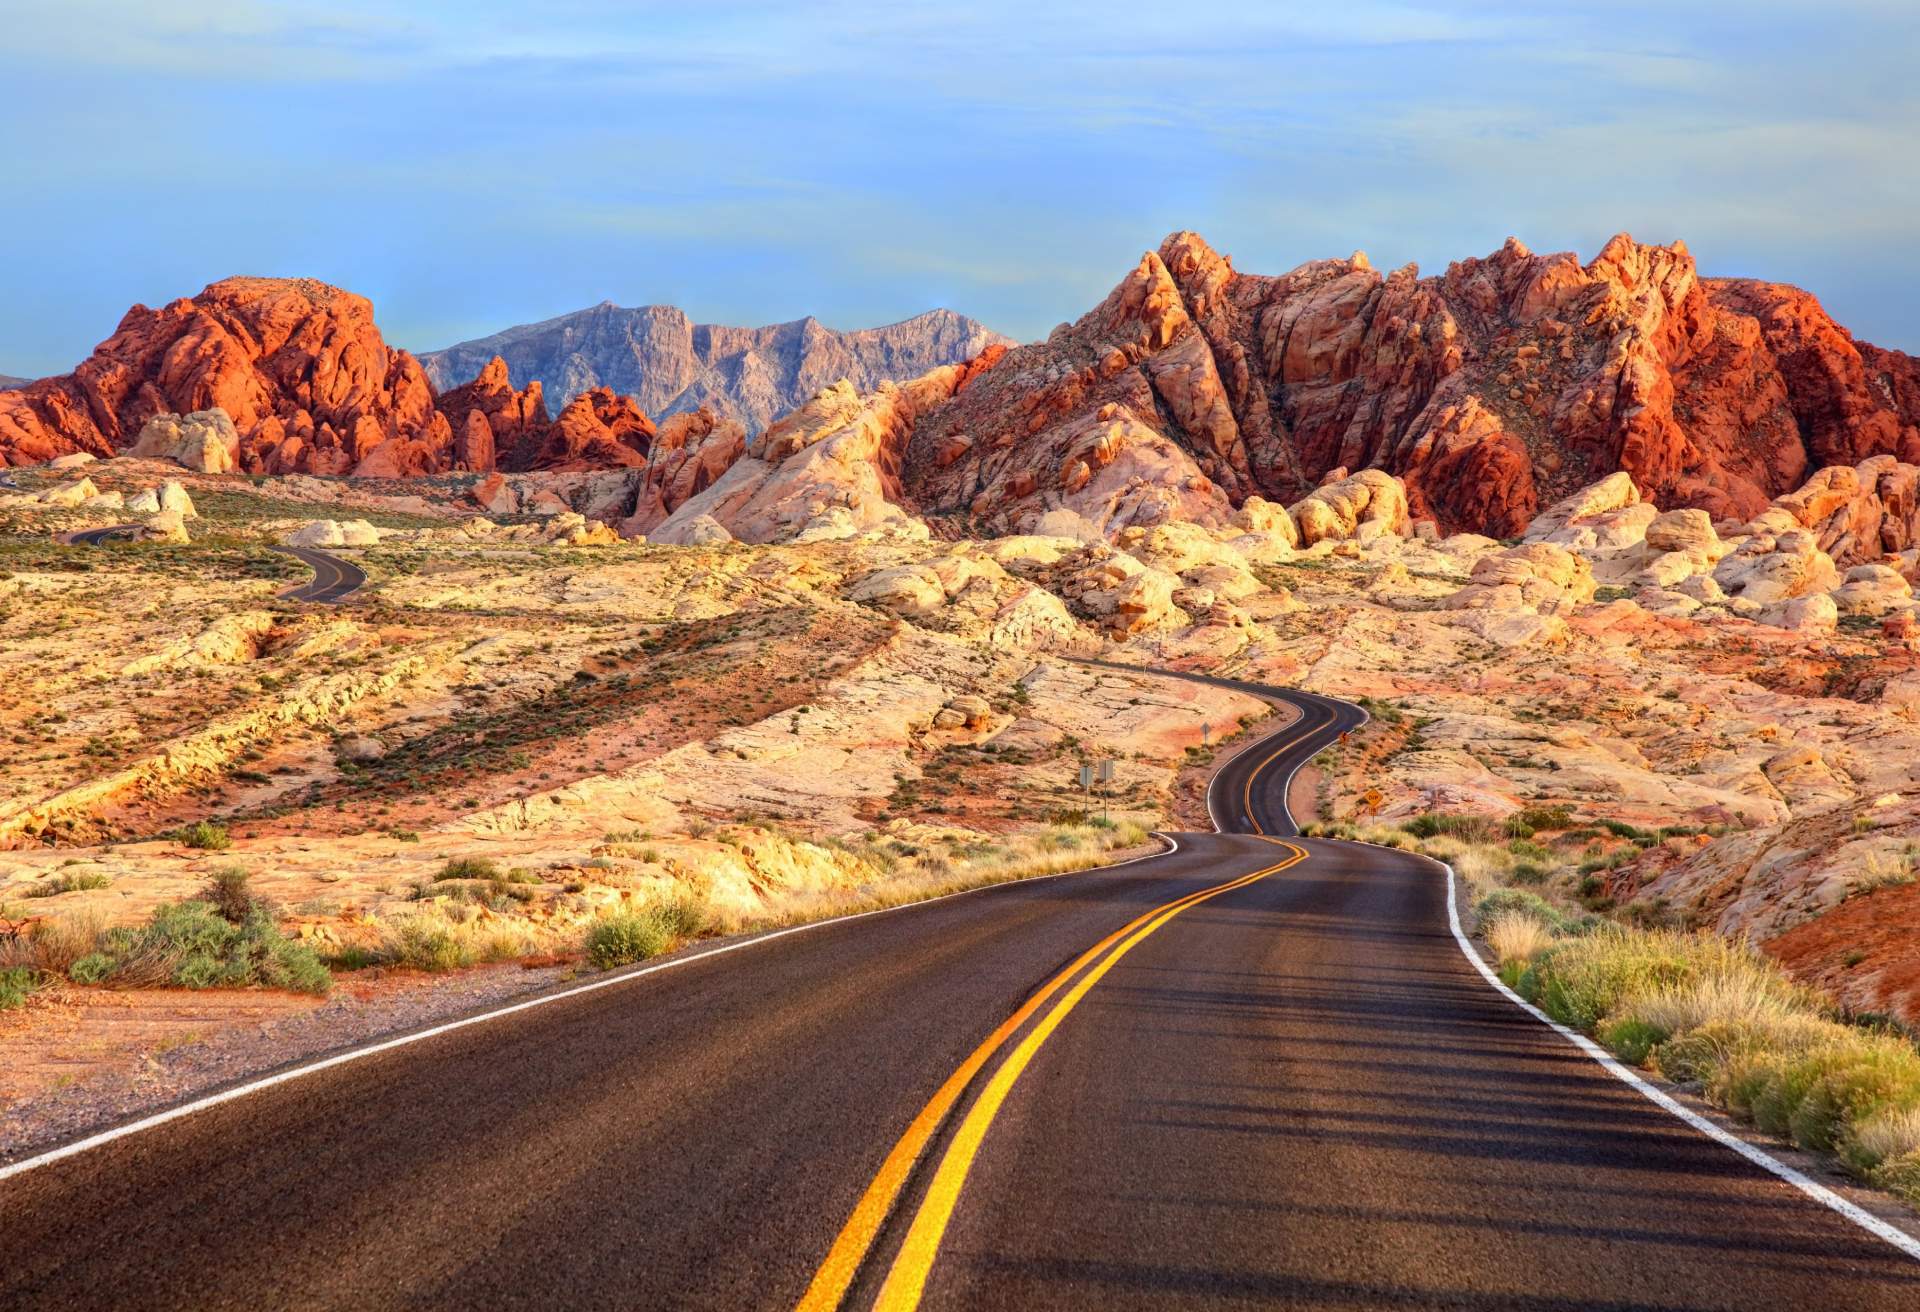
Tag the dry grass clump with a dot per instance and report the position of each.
(1516, 936)
(898, 877)
(1710, 1011)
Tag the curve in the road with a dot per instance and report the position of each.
(93, 537)
(1290, 1091)
(334, 579)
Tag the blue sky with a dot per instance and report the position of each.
(474, 165)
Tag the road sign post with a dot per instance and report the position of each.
(1106, 785)
(1086, 784)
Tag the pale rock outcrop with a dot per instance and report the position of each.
(72, 461)
(841, 451)
(1814, 614)
(1257, 515)
(167, 527)
(229, 640)
(1766, 568)
(103, 501)
(145, 503)
(691, 531)
(1359, 507)
(323, 533)
(174, 497)
(1576, 521)
(1857, 513)
(1873, 590)
(69, 495)
(1536, 576)
(204, 440)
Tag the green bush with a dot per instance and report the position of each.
(15, 984)
(1505, 900)
(192, 945)
(469, 867)
(418, 944)
(627, 937)
(71, 883)
(205, 835)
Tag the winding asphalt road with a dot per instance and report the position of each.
(334, 579)
(1250, 1072)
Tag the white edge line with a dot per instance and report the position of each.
(1813, 1189)
(354, 1054)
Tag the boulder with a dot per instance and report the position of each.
(174, 497)
(1813, 614)
(1767, 569)
(1338, 509)
(1873, 590)
(359, 749)
(204, 440)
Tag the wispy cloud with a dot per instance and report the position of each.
(478, 163)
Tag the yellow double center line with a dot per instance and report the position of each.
(908, 1276)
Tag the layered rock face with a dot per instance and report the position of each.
(669, 364)
(1493, 389)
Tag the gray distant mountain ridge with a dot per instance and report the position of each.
(668, 363)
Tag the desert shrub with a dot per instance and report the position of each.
(1708, 1011)
(1517, 936)
(422, 943)
(626, 937)
(205, 835)
(1518, 901)
(1528, 821)
(71, 883)
(469, 867)
(54, 945)
(192, 945)
(1526, 872)
(228, 892)
(16, 983)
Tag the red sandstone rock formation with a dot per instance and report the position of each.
(298, 365)
(597, 430)
(1501, 385)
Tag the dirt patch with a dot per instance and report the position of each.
(90, 1057)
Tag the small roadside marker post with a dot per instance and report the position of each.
(1206, 734)
(1086, 784)
(1106, 785)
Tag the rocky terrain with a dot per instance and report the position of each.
(1492, 389)
(668, 364)
(608, 661)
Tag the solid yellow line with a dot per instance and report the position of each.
(1247, 795)
(842, 1264)
(907, 1281)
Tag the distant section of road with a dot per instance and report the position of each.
(93, 537)
(334, 579)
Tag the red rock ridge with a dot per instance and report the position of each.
(1501, 385)
(299, 366)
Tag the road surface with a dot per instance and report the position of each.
(1250, 1072)
(93, 537)
(334, 579)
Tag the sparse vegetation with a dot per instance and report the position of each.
(192, 945)
(1713, 1014)
(206, 836)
